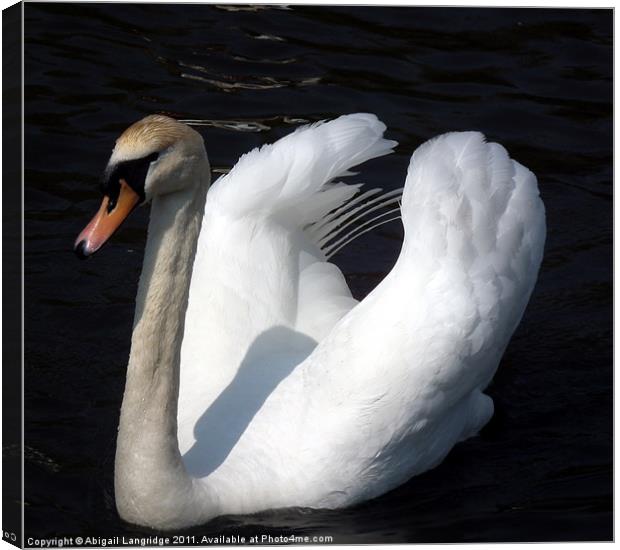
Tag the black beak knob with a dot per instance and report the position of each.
(80, 250)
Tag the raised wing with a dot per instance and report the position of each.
(421, 348)
(399, 380)
(260, 273)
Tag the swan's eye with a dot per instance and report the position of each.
(133, 172)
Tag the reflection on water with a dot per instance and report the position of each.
(236, 125)
(538, 81)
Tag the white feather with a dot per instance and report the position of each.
(257, 265)
(394, 382)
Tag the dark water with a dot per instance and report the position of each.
(538, 81)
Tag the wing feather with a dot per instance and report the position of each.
(256, 265)
(399, 380)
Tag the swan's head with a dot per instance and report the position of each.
(155, 156)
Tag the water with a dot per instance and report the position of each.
(538, 81)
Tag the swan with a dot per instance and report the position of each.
(255, 380)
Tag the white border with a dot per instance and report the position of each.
(450, 3)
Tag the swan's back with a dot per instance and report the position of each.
(399, 379)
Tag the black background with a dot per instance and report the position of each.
(536, 80)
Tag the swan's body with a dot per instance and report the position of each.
(290, 393)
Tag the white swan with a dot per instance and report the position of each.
(263, 383)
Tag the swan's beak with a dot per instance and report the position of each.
(106, 221)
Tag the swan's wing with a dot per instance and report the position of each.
(260, 265)
(287, 190)
(418, 351)
(398, 380)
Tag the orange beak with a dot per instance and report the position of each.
(105, 223)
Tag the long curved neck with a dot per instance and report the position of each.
(151, 484)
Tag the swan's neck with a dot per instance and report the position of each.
(151, 484)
